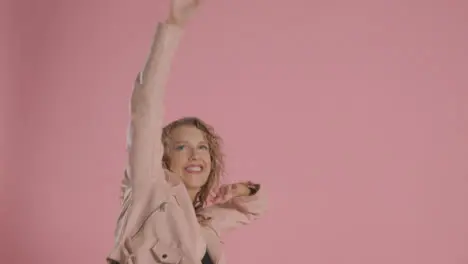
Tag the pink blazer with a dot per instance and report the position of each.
(158, 222)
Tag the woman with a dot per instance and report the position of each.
(166, 216)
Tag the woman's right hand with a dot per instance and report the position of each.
(181, 11)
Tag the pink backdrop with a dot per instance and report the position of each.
(354, 114)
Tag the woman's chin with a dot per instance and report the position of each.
(192, 182)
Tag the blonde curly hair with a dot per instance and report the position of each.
(217, 157)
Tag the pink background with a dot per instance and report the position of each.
(354, 115)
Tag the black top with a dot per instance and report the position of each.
(207, 259)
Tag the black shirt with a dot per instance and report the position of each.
(207, 259)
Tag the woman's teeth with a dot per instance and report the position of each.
(193, 168)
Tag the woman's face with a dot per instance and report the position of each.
(189, 156)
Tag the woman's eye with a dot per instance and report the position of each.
(180, 147)
(205, 147)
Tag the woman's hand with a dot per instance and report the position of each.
(181, 11)
(229, 191)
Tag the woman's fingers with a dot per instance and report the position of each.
(182, 10)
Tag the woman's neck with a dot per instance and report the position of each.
(193, 193)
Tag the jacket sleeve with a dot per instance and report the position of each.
(236, 212)
(125, 203)
(144, 147)
(144, 140)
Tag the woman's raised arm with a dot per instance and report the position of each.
(145, 149)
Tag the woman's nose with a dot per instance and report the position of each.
(194, 155)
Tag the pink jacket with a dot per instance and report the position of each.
(158, 223)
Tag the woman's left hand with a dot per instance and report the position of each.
(182, 10)
(229, 191)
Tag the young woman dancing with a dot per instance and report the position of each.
(169, 214)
